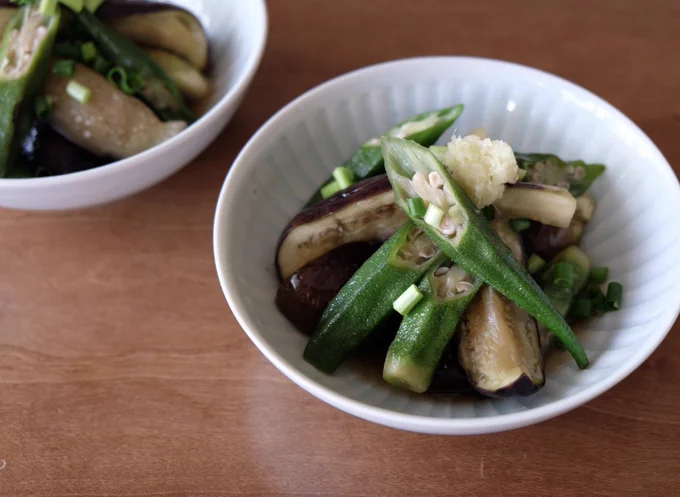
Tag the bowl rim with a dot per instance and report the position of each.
(380, 415)
(195, 129)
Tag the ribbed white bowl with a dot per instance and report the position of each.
(237, 31)
(635, 231)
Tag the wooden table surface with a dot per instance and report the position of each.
(123, 372)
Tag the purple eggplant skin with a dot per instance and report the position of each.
(303, 297)
(121, 8)
(364, 212)
(548, 241)
(46, 153)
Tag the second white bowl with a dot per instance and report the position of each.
(237, 32)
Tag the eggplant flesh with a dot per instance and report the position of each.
(499, 346)
(543, 203)
(366, 212)
(548, 241)
(303, 297)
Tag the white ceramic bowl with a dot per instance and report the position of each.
(635, 231)
(237, 31)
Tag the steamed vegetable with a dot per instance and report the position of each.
(546, 204)
(188, 79)
(464, 235)
(364, 213)
(425, 128)
(156, 86)
(548, 169)
(426, 330)
(25, 52)
(110, 123)
(303, 297)
(174, 31)
(499, 344)
(368, 297)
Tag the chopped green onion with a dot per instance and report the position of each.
(614, 294)
(128, 83)
(343, 176)
(48, 7)
(519, 225)
(64, 68)
(330, 189)
(78, 92)
(416, 207)
(522, 174)
(101, 65)
(42, 107)
(581, 309)
(598, 274)
(93, 5)
(67, 50)
(88, 51)
(433, 216)
(407, 300)
(74, 5)
(535, 264)
(563, 274)
(594, 293)
(489, 212)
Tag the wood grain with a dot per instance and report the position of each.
(123, 372)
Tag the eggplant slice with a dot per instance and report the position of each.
(499, 346)
(365, 212)
(303, 297)
(543, 203)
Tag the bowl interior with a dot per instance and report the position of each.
(634, 231)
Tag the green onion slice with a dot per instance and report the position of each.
(563, 274)
(330, 189)
(343, 176)
(78, 92)
(535, 264)
(416, 207)
(407, 300)
(614, 294)
(433, 216)
(64, 68)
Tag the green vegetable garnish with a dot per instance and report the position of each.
(425, 128)
(78, 92)
(343, 176)
(407, 300)
(598, 274)
(614, 294)
(416, 207)
(64, 68)
(330, 189)
(88, 51)
(535, 264)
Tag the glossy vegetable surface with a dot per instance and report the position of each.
(475, 247)
(367, 298)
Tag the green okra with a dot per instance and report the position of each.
(425, 128)
(549, 169)
(158, 90)
(367, 298)
(474, 246)
(424, 333)
(22, 74)
(562, 298)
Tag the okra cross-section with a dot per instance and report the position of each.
(367, 298)
(426, 330)
(464, 234)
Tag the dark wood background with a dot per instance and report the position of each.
(123, 372)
